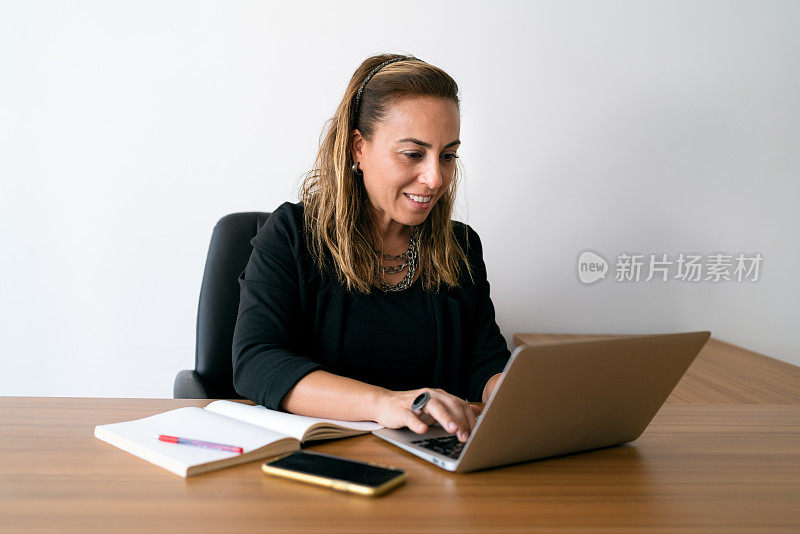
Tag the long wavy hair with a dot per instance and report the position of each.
(339, 220)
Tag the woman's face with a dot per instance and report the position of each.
(412, 152)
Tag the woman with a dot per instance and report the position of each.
(365, 294)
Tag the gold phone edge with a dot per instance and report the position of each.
(339, 485)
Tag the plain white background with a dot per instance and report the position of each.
(127, 129)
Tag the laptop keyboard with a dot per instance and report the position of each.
(447, 445)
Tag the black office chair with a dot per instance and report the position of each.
(212, 377)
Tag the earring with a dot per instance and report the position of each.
(356, 170)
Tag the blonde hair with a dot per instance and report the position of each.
(338, 216)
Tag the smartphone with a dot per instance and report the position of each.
(341, 474)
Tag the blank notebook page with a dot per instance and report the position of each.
(189, 422)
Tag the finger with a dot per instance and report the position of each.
(440, 411)
(464, 433)
(427, 418)
(415, 423)
(472, 412)
(470, 417)
(458, 407)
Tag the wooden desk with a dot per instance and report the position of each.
(720, 374)
(712, 467)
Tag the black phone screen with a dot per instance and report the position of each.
(324, 465)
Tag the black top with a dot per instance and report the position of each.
(390, 339)
(292, 320)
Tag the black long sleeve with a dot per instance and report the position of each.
(490, 351)
(266, 364)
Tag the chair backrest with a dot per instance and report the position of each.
(218, 308)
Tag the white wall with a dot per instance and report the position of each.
(128, 129)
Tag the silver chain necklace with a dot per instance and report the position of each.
(410, 258)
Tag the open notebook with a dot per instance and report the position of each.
(260, 432)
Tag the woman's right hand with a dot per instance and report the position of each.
(393, 410)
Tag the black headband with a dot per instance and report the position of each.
(369, 77)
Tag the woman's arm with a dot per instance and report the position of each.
(489, 352)
(267, 357)
(324, 394)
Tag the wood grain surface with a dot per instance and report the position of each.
(720, 374)
(723, 468)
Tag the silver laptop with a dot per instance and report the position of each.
(560, 398)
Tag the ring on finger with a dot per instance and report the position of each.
(420, 402)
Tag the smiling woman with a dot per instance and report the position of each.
(397, 128)
(366, 293)
(404, 177)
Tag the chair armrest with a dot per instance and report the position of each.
(188, 385)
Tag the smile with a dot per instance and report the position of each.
(419, 200)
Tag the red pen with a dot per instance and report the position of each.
(198, 443)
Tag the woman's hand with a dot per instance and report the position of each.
(456, 415)
(489, 387)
